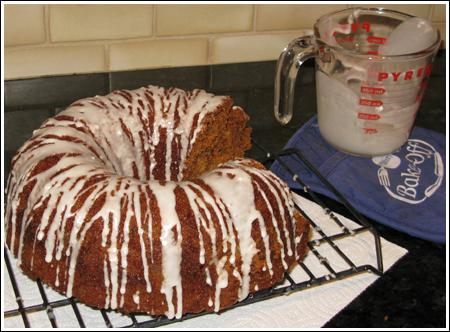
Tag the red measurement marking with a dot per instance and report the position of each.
(361, 26)
(372, 53)
(372, 91)
(376, 40)
(356, 26)
(369, 102)
(367, 116)
(370, 131)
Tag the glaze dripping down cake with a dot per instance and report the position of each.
(141, 201)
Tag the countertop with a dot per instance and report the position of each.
(411, 294)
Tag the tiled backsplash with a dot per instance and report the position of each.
(45, 40)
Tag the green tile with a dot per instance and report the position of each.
(19, 126)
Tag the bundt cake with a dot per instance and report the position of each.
(141, 201)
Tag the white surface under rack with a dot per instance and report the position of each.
(43, 307)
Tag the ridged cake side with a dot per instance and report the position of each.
(95, 212)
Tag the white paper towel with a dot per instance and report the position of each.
(307, 308)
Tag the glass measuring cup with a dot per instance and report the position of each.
(366, 101)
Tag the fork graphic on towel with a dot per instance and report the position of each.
(383, 177)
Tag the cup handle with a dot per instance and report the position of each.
(289, 62)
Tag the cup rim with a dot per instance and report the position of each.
(427, 51)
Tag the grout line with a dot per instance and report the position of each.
(100, 42)
(255, 16)
(106, 56)
(208, 51)
(431, 11)
(154, 21)
(210, 77)
(110, 84)
(47, 24)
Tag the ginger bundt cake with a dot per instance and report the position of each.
(141, 201)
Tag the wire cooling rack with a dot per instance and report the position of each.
(48, 306)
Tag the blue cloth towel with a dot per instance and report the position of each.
(404, 190)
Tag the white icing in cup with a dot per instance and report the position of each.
(372, 67)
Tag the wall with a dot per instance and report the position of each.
(42, 40)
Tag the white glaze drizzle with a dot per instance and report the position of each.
(104, 149)
(140, 229)
(136, 298)
(237, 194)
(222, 281)
(171, 247)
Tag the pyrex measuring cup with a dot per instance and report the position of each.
(367, 101)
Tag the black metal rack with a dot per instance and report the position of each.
(292, 286)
